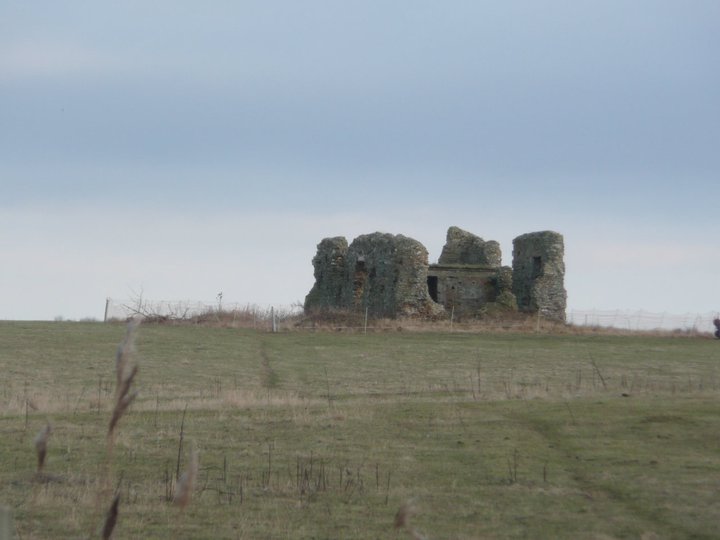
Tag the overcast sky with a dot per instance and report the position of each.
(186, 148)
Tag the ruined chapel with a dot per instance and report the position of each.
(389, 276)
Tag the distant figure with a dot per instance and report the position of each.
(716, 322)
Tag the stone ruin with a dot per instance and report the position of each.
(538, 274)
(384, 273)
(389, 276)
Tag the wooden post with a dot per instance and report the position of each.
(107, 305)
(366, 319)
(274, 323)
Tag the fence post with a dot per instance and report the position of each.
(107, 305)
(274, 323)
(452, 316)
(366, 320)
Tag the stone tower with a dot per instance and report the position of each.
(539, 274)
(382, 273)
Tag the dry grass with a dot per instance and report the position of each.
(336, 320)
(111, 518)
(125, 372)
(403, 520)
(493, 435)
(353, 321)
(40, 442)
(186, 483)
(249, 317)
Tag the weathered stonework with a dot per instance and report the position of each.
(462, 247)
(389, 276)
(330, 273)
(383, 273)
(468, 276)
(539, 273)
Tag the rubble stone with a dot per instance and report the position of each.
(330, 274)
(389, 276)
(539, 273)
(383, 273)
(463, 247)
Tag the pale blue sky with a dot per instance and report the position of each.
(184, 148)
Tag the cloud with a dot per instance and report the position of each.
(642, 271)
(328, 120)
(22, 60)
(67, 260)
(672, 255)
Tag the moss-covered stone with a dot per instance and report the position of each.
(385, 273)
(389, 276)
(464, 248)
(539, 273)
(330, 274)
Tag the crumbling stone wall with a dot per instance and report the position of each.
(468, 278)
(539, 273)
(330, 274)
(502, 284)
(463, 247)
(389, 276)
(384, 273)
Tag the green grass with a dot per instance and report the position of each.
(326, 435)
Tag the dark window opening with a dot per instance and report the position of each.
(432, 282)
(359, 280)
(537, 268)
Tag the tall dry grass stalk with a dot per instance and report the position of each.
(125, 350)
(123, 401)
(40, 441)
(184, 489)
(111, 518)
(125, 373)
(402, 521)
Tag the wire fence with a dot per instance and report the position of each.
(640, 320)
(119, 309)
(632, 320)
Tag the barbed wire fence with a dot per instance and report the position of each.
(630, 320)
(122, 309)
(640, 320)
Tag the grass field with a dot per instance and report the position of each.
(327, 435)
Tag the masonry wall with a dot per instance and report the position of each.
(468, 277)
(383, 273)
(539, 273)
(389, 276)
(330, 271)
(464, 248)
(464, 290)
